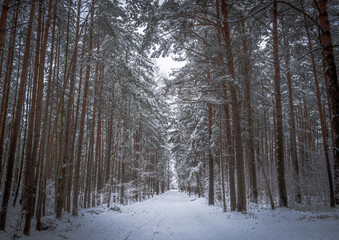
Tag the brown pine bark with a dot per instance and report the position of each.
(137, 156)
(17, 123)
(109, 134)
(91, 163)
(45, 130)
(322, 120)
(266, 137)
(329, 107)
(122, 181)
(331, 72)
(82, 120)
(97, 180)
(6, 88)
(64, 134)
(27, 192)
(22, 150)
(66, 167)
(293, 139)
(97, 93)
(278, 112)
(249, 118)
(3, 19)
(260, 161)
(221, 164)
(229, 142)
(267, 183)
(241, 188)
(37, 124)
(210, 156)
(90, 159)
(60, 102)
(301, 141)
(71, 126)
(77, 167)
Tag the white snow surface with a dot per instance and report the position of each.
(175, 215)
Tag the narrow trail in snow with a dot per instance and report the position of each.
(176, 216)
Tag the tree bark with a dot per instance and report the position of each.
(209, 153)
(241, 188)
(82, 121)
(293, 139)
(229, 142)
(278, 112)
(37, 124)
(6, 88)
(27, 192)
(45, 130)
(17, 122)
(252, 162)
(3, 19)
(331, 72)
(322, 119)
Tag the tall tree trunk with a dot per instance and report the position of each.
(329, 107)
(7, 87)
(71, 126)
(37, 124)
(22, 150)
(82, 121)
(229, 143)
(27, 192)
(221, 164)
(3, 19)
(209, 154)
(97, 185)
(252, 162)
(17, 123)
(108, 148)
(331, 72)
(322, 119)
(45, 130)
(241, 188)
(64, 134)
(97, 94)
(278, 112)
(293, 138)
(77, 166)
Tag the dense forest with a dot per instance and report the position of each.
(87, 119)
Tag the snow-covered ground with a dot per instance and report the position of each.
(174, 215)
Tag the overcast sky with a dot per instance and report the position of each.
(167, 64)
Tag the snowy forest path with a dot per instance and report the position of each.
(178, 217)
(175, 215)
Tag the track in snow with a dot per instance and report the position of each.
(180, 217)
(174, 215)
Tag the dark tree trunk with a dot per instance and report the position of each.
(331, 72)
(229, 142)
(82, 122)
(16, 124)
(3, 19)
(293, 138)
(37, 124)
(252, 162)
(278, 112)
(241, 188)
(7, 86)
(45, 130)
